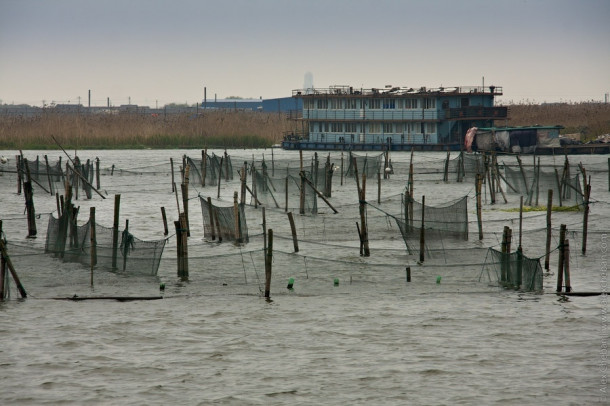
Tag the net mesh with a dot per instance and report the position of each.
(221, 222)
(514, 270)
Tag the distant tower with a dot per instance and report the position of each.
(308, 82)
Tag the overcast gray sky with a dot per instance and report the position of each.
(155, 51)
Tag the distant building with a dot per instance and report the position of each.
(343, 117)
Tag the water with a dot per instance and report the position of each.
(373, 339)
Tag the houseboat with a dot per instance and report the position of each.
(391, 118)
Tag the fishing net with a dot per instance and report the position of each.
(226, 223)
(284, 192)
(131, 255)
(370, 165)
(450, 218)
(211, 169)
(534, 186)
(514, 270)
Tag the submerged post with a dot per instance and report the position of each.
(163, 215)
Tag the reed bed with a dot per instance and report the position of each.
(234, 129)
(100, 131)
(590, 119)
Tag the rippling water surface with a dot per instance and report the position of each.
(371, 339)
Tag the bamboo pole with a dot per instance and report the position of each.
(293, 229)
(362, 208)
(549, 209)
(302, 193)
(19, 166)
(243, 180)
(184, 247)
(115, 230)
(422, 232)
(268, 264)
(560, 262)
(342, 171)
(523, 174)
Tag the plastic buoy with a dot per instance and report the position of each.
(336, 282)
(438, 279)
(162, 287)
(290, 283)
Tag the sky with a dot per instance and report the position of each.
(155, 52)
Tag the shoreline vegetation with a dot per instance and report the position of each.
(236, 129)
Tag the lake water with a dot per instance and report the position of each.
(373, 338)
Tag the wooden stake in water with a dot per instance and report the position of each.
(549, 210)
(560, 262)
(163, 215)
(93, 241)
(219, 176)
(171, 163)
(566, 265)
(268, 264)
(115, 230)
(585, 220)
(9, 264)
(479, 210)
(293, 229)
(422, 232)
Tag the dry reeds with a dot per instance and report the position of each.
(590, 119)
(74, 130)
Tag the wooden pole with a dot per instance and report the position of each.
(549, 210)
(509, 238)
(93, 241)
(19, 169)
(446, 172)
(171, 163)
(243, 180)
(537, 180)
(227, 173)
(408, 272)
(608, 174)
(203, 166)
(560, 262)
(9, 264)
(29, 204)
(115, 230)
(523, 175)
(559, 188)
(301, 159)
(479, 209)
(422, 232)
(302, 193)
(211, 214)
(264, 230)
(520, 219)
(236, 218)
(219, 176)
(566, 265)
(378, 187)
(184, 247)
(125, 244)
(268, 264)
(46, 161)
(585, 220)
(179, 264)
(164, 216)
(97, 173)
(342, 171)
(293, 229)
(319, 193)
(2, 268)
(364, 226)
(286, 196)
